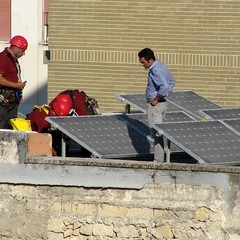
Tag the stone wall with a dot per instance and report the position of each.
(176, 201)
(16, 146)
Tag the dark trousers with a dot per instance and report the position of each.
(7, 112)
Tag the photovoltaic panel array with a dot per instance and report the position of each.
(138, 101)
(221, 114)
(104, 136)
(191, 102)
(210, 142)
(234, 123)
(115, 136)
(139, 121)
(187, 101)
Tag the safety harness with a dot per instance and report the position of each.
(43, 108)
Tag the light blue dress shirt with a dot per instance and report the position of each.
(160, 81)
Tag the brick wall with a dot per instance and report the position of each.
(94, 47)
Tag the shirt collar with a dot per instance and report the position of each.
(153, 65)
(8, 53)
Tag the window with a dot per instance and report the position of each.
(5, 20)
(45, 22)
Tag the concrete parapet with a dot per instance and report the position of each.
(17, 146)
(73, 198)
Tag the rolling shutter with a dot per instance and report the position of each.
(5, 20)
(45, 10)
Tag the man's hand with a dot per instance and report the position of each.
(154, 101)
(5, 83)
(20, 85)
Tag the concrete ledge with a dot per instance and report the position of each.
(134, 164)
(135, 177)
(17, 146)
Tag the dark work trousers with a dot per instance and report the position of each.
(7, 112)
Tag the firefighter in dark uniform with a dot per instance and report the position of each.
(60, 107)
(11, 85)
(82, 103)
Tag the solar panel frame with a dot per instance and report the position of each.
(220, 114)
(209, 142)
(138, 101)
(191, 102)
(99, 133)
(134, 119)
(234, 124)
(187, 101)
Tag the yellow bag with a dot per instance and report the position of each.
(21, 124)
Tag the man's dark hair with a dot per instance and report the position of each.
(146, 53)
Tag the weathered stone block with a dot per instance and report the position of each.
(128, 232)
(202, 214)
(113, 211)
(86, 230)
(103, 230)
(165, 231)
(140, 213)
(86, 209)
(16, 146)
(39, 144)
(68, 233)
(55, 225)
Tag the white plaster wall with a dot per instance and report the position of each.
(27, 21)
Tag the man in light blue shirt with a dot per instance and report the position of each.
(160, 83)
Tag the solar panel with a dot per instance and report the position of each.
(179, 116)
(191, 102)
(139, 121)
(138, 101)
(221, 114)
(104, 136)
(210, 142)
(234, 123)
(187, 101)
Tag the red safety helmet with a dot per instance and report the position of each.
(20, 42)
(64, 98)
(61, 108)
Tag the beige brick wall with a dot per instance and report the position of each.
(94, 45)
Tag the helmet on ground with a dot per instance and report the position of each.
(19, 41)
(61, 108)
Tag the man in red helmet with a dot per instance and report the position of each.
(11, 84)
(39, 113)
(82, 103)
(60, 107)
